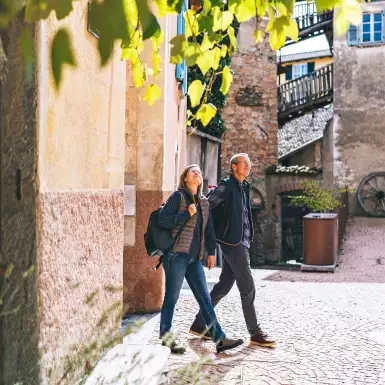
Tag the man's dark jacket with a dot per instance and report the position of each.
(226, 205)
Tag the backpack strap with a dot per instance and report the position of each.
(182, 202)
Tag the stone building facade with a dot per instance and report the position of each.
(250, 116)
(359, 90)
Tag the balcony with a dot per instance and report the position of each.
(305, 93)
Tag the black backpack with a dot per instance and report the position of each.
(158, 240)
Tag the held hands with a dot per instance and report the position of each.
(210, 261)
(192, 210)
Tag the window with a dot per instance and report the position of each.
(299, 70)
(371, 30)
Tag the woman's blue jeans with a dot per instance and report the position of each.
(176, 267)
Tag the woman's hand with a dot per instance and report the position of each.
(192, 209)
(210, 261)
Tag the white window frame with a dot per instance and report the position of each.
(303, 70)
(371, 24)
(360, 30)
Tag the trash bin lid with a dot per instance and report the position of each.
(320, 216)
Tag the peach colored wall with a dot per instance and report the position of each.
(80, 229)
(155, 154)
(81, 129)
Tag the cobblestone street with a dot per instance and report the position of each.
(328, 333)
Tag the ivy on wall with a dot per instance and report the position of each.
(216, 127)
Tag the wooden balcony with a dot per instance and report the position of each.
(310, 22)
(305, 93)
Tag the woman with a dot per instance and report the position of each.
(186, 213)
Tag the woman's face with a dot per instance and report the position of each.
(194, 176)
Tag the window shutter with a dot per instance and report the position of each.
(310, 67)
(289, 72)
(383, 26)
(353, 35)
(181, 69)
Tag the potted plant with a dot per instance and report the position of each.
(320, 228)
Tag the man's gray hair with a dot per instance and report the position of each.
(234, 159)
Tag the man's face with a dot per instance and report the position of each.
(243, 166)
(194, 176)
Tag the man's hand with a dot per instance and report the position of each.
(192, 209)
(210, 261)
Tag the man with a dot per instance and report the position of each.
(231, 214)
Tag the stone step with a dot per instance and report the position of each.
(130, 364)
(143, 334)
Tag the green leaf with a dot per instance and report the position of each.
(179, 44)
(195, 92)
(8, 270)
(262, 5)
(206, 113)
(111, 19)
(130, 54)
(324, 5)
(348, 13)
(106, 47)
(222, 20)
(138, 73)
(148, 21)
(156, 61)
(206, 43)
(153, 93)
(259, 36)
(233, 40)
(243, 9)
(29, 272)
(223, 50)
(61, 54)
(167, 7)
(191, 53)
(227, 79)
(38, 10)
(205, 23)
(175, 5)
(157, 40)
(192, 26)
(279, 29)
(216, 52)
(26, 44)
(205, 61)
(206, 7)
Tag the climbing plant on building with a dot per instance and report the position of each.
(131, 22)
(217, 95)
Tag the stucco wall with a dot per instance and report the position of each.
(81, 128)
(359, 101)
(80, 229)
(80, 249)
(19, 332)
(155, 155)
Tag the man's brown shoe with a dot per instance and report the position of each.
(202, 333)
(261, 339)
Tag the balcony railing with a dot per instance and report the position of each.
(304, 92)
(306, 16)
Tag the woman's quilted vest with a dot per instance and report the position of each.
(183, 244)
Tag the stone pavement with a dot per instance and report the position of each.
(328, 333)
(362, 257)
